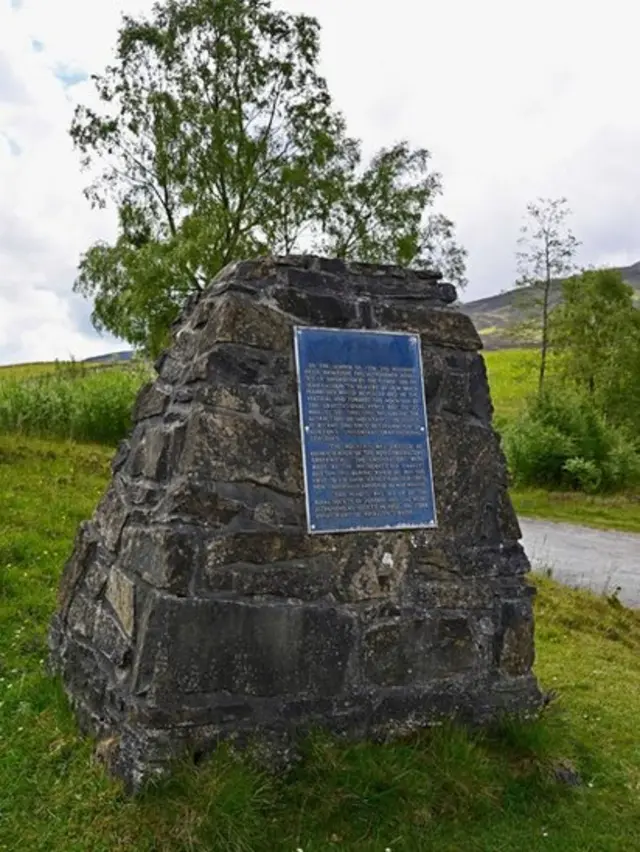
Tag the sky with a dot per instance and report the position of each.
(514, 100)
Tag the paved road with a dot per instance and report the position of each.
(579, 556)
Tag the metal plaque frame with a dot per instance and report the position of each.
(313, 528)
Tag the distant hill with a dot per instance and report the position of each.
(125, 355)
(494, 315)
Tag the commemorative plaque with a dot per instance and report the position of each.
(365, 436)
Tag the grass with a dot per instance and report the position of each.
(607, 512)
(444, 790)
(71, 402)
(512, 378)
(44, 368)
(27, 371)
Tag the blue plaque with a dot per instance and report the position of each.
(365, 437)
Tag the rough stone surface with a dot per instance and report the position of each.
(120, 593)
(195, 607)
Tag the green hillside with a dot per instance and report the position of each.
(494, 316)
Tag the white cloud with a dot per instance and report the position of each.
(45, 223)
(513, 100)
(40, 323)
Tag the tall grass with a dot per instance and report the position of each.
(43, 368)
(73, 403)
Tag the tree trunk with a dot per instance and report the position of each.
(545, 331)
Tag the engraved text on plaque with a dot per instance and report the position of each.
(364, 430)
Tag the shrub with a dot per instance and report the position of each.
(622, 466)
(562, 441)
(585, 473)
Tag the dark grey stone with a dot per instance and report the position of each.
(418, 649)
(85, 551)
(305, 579)
(231, 446)
(434, 324)
(120, 457)
(164, 557)
(112, 514)
(248, 648)
(155, 451)
(81, 616)
(195, 607)
(315, 307)
(114, 643)
(151, 402)
(481, 406)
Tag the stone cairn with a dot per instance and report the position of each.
(196, 608)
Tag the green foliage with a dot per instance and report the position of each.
(216, 139)
(562, 441)
(569, 438)
(442, 790)
(585, 473)
(537, 453)
(72, 402)
(596, 335)
(546, 251)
